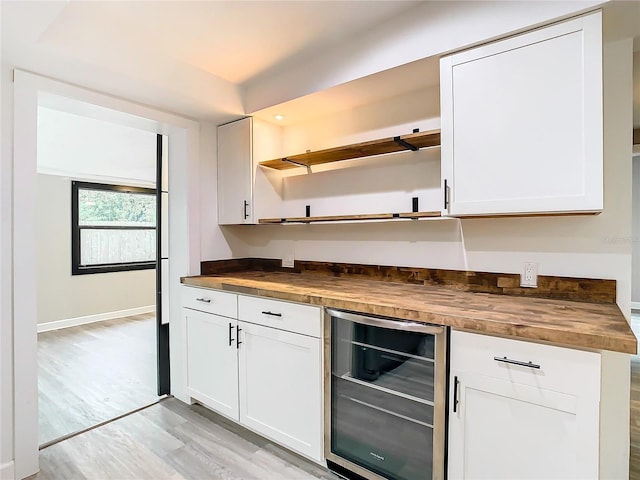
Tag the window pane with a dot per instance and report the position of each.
(116, 246)
(100, 207)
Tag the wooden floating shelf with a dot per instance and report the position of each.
(412, 141)
(343, 218)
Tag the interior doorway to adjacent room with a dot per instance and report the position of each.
(102, 352)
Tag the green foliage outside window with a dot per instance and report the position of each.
(99, 207)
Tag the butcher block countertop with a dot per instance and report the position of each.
(599, 326)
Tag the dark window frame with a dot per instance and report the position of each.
(76, 267)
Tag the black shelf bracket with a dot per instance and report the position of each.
(405, 144)
(299, 164)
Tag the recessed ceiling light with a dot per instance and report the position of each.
(278, 117)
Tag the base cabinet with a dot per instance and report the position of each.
(212, 361)
(537, 420)
(264, 371)
(280, 391)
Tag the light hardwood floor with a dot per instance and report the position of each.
(92, 373)
(173, 441)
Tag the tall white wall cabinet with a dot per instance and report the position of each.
(235, 189)
(241, 146)
(522, 123)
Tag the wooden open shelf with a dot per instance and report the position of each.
(413, 141)
(344, 218)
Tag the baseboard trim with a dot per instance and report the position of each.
(7, 471)
(635, 305)
(100, 317)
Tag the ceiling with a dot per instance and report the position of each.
(397, 81)
(217, 37)
(198, 53)
(196, 57)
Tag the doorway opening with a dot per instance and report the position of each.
(101, 240)
(183, 140)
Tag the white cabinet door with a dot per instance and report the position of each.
(235, 203)
(212, 361)
(522, 123)
(280, 387)
(502, 430)
(512, 419)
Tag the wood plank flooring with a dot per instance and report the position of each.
(169, 440)
(95, 372)
(173, 441)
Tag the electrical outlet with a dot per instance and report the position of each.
(529, 276)
(287, 253)
(288, 260)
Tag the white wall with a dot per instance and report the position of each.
(63, 296)
(596, 246)
(213, 243)
(84, 147)
(431, 28)
(76, 146)
(6, 320)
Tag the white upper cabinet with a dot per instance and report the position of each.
(522, 123)
(241, 146)
(235, 203)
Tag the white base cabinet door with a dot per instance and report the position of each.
(522, 123)
(212, 361)
(280, 387)
(537, 420)
(509, 431)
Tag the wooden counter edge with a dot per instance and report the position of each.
(540, 333)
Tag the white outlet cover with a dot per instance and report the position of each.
(529, 275)
(288, 261)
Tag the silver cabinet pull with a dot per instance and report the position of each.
(204, 300)
(516, 362)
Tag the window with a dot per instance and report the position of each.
(113, 228)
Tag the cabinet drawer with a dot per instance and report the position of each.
(210, 301)
(292, 317)
(560, 369)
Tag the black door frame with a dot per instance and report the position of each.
(162, 330)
